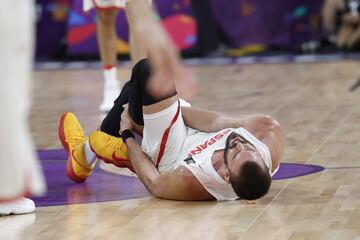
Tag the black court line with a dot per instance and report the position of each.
(355, 86)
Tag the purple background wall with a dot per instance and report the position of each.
(52, 16)
(175, 16)
(280, 23)
(276, 22)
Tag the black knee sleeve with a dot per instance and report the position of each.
(139, 95)
(141, 74)
(111, 123)
(136, 94)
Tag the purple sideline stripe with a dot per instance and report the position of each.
(52, 154)
(293, 170)
(104, 186)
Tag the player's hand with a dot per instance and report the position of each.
(125, 122)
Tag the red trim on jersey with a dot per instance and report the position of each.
(166, 136)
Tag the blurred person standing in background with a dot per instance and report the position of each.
(107, 11)
(20, 172)
(209, 42)
(341, 22)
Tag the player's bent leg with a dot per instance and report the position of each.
(133, 93)
(73, 139)
(107, 143)
(164, 136)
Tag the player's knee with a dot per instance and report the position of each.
(143, 71)
(141, 75)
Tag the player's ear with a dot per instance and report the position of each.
(225, 174)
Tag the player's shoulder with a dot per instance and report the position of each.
(195, 190)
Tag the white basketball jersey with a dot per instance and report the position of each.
(197, 158)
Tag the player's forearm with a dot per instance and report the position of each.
(225, 121)
(144, 167)
(209, 121)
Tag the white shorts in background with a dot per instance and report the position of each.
(103, 4)
(155, 126)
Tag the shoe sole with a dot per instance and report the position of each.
(16, 212)
(125, 163)
(69, 168)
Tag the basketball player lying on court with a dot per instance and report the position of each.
(186, 153)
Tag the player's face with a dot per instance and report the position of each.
(239, 150)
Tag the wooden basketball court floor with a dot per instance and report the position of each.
(314, 102)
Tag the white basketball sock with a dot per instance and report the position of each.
(90, 155)
(110, 75)
(111, 88)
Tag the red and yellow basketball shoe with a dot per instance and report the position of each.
(73, 139)
(110, 149)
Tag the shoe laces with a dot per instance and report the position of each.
(114, 143)
(77, 138)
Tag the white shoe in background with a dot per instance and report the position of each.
(110, 93)
(111, 89)
(18, 206)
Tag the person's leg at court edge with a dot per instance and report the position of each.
(20, 172)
